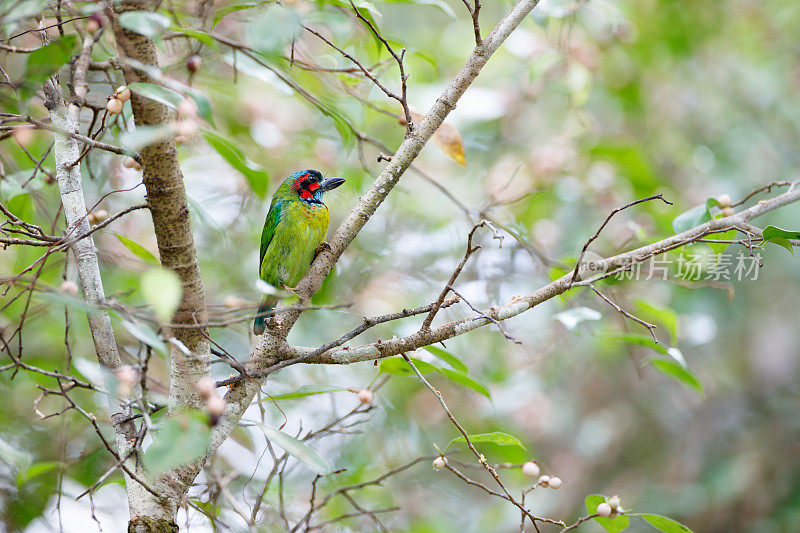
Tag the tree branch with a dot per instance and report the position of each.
(519, 305)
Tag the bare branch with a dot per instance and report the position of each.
(603, 225)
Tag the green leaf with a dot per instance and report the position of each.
(303, 392)
(673, 369)
(719, 247)
(773, 231)
(138, 250)
(180, 441)
(448, 358)
(144, 23)
(641, 340)
(45, 61)
(141, 136)
(663, 315)
(162, 289)
(223, 12)
(201, 36)
(204, 216)
(256, 176)
(73, 302)
(780, 241)
(663, 523)
(298, 449)
(398, 366)
(496, 437)
(274, 29)
(37, 469)
(145, 334)
(691, 218)
(160, 94)
(203, 106)
(780, 237)
(611, 524)
(463, 379)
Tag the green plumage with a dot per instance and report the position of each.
(295, 227)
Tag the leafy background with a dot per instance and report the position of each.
(589, 106)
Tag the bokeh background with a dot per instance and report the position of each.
(588, 106)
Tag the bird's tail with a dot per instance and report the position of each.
(264, 312)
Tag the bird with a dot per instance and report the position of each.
(293, 233)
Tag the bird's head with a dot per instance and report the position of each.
(309, 185)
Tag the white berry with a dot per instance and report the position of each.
(724, 200)
(531, 469)
(123, 94)
(439, 463)
(187, 108)
(130, 162)
(365, 396)
(554, 483)
(114, 106)
(215, 405)
(543, 480)
(604, 509)
(728, 211)
(613, 502)
(206, 387)
(69, 287)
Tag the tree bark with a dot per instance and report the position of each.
(166, 196)
(66, 151)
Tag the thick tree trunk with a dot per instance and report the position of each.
(166, 197)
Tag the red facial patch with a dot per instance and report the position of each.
(305, 195)
(313, 186)
(298, 182)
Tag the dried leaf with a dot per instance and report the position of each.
(447, 138)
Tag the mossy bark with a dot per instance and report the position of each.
(143, 524)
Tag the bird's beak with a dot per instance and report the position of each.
(330, 183)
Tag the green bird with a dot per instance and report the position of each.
(295, 228)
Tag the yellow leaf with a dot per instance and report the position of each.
(447, 138)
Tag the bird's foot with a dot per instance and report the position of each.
(322, 247)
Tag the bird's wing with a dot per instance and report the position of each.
(273, 217)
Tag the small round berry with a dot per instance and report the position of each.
(215, 405)
(185, 128)
(613, 502)
(543, 480)
(233, 302)
(23, 135)
(123, 94)
(554, 483)
(193, 63)
(130, 162)
(126, 374)
(439, 463)
(531, 469)
(604, 509)
(728, 211)
(206, 387)
(181, 139)
(92, 25)
(365, 396)
(127, 379)
(724, 200)
(187, 108)
(69, 287)
(95, 217)
(114, 106)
